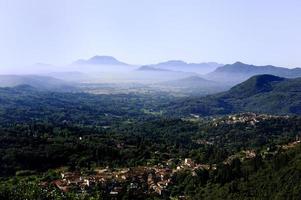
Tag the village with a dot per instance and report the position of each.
(141, 180)
(155, 179)
(136, 180)
(249, 118)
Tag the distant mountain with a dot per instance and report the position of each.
(239, 72)
(100, 60)
(98, 66)
(38, 82)
(261, 93)
(149, 68)
(178, 65)
(192, 81)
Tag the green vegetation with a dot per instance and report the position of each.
(241, 156)
(275, 178)
(259, 94)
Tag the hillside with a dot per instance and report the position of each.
(262, 94)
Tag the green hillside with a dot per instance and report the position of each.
(261, 94)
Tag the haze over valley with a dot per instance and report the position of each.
(150, 100)
(106, 74)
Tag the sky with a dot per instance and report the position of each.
(150, 31)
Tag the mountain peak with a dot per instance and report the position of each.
(100, 60)
(238, 63)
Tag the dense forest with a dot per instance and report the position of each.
(166, 153)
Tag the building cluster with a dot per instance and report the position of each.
(110, 181)
(291, 144)
(138, 180)
(249, 118)
(203, 142)
(249, 154)
(243, 155)
(146, 179)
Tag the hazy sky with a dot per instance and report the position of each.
(149, 31)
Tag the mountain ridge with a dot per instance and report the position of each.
(239, 72)
(179, 65)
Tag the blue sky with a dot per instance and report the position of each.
(150, 31)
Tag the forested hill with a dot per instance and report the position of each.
(262, 94)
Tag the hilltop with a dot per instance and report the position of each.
(262, 94)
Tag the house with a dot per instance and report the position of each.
(62, 185)
(188, 162)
